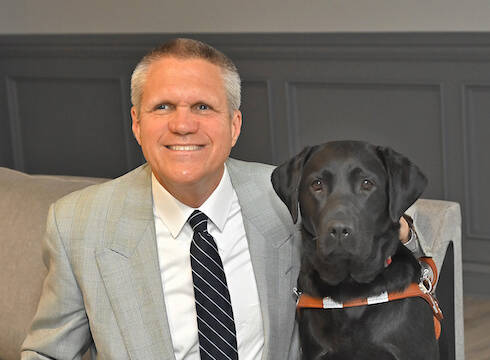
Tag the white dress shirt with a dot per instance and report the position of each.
(174, 236)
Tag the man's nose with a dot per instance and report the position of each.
(183, 122)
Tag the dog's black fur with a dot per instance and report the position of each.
(350, 196)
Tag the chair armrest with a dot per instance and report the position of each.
(438, 225)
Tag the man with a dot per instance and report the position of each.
(119, 275)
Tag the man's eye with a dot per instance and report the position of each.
(317, 185)
(163, 107)
(367, 184)
(202, 107)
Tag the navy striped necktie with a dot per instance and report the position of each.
(216, 327)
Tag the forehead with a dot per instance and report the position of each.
(184, 80)
(170, 68)
(342, 157)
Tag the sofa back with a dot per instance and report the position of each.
(24, 204)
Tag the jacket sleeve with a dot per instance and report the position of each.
(60, 328)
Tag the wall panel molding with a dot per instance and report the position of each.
(14, 122)
(477, 167)
(340, 46)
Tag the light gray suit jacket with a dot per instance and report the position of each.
(104, 289)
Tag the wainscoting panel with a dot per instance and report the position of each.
(384, 114)
(65, 108)
(477, 131)
(477, 171)
(81, 114)
(256, 141)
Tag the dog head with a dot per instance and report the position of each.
(350, 195)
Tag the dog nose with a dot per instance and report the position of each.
(340, 229)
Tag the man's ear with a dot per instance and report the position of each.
(406, 182)
(236, 126)
(135, 124)
(286, 179)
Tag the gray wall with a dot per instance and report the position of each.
(224, 16)
(64, 107)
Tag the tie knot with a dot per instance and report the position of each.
(198, 221)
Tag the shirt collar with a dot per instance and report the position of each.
(174, 214)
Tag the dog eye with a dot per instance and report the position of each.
(317, 185)
(367, 184)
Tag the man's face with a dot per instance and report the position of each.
(184, 125)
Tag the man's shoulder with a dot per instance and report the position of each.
(249, 167)
(252, 182)
(100, 192)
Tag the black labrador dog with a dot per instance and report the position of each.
(350, 196)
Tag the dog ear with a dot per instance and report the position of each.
(286, 178)
(406, 182)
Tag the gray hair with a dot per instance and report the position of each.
(188, 49)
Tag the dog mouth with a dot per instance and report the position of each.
(332, 269)
(350, 255)
(340, 266)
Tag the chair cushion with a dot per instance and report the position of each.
(24, 204)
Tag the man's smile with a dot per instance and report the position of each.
(185, 147)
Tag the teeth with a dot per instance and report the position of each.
(185, 147)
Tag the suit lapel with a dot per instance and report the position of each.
(273, 253)
(131, 274)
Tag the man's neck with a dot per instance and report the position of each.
(192, 195)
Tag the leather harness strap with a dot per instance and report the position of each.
(422, 290)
